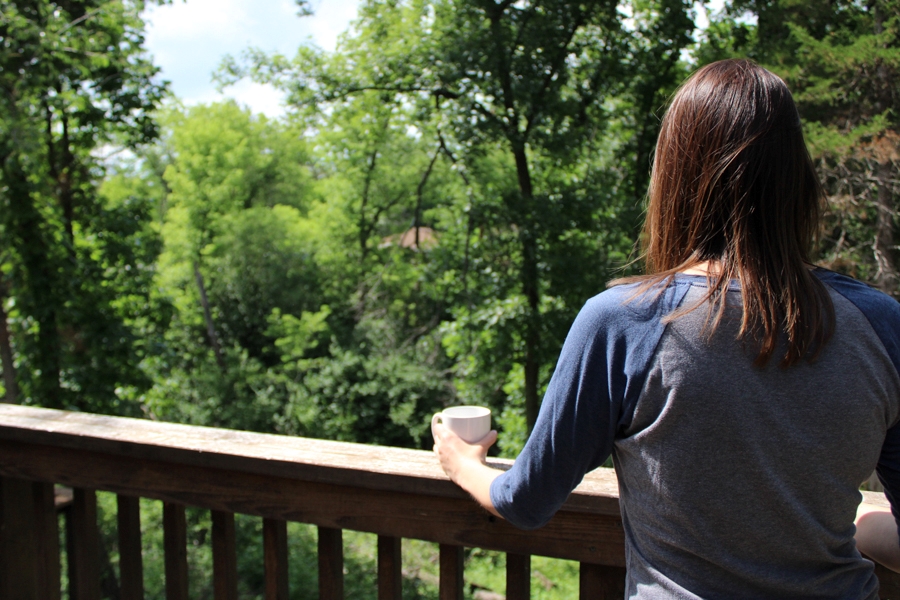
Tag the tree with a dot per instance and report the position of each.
(74, 77)
(524, 87)
(842, 61)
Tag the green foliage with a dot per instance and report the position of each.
(448, 188)
(841, 60)
(374, 392)
(73, 77)
(515, 98)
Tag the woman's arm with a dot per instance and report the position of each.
(465, 464)
(876, 535)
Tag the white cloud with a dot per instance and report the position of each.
(189, 39)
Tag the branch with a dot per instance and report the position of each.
(537, 104)
(437, 92)
(80, 19)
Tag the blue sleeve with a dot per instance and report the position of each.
(883, 314)
(591, 397)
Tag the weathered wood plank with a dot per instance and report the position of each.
(582, 536)
(390, 574)
(175, 547)
(518, 577)
(331, 564)
(275, 552)
(131, 567)
(18, 543)
(600, 582)
(890, 583)
(451, 572)
(84, 544)
(47, 537)
(224, 556)
(359, 465)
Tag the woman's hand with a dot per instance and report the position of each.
(464, 463)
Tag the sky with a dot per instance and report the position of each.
(189, 38)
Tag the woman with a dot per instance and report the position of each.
(744, 394)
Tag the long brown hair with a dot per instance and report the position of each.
(733, 183)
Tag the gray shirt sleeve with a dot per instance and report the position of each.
(591, 396)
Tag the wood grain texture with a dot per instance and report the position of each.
(312, 481)
(359, 465)
(575, 535)
(46, 522)
(275, 557)
(131, 567)
(331, 564)
(518, 577)
(84, 556)
(451, 572)
(18, 543)
(600, 582)
(390, 575)
(224, 556)
(890, 583)
(175, 546)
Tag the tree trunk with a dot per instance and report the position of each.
(25, 227)
(530, 288)
(888, 275)
(207, 317)
(6, 355)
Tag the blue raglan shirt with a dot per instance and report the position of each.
(717, 459)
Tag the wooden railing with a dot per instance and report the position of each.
(394, 493)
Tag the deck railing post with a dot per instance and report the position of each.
(83, 541)
(331, 564)
(175, 543)
(131, 569)
(390, 574)
(275, 552)
(47, 533)
(18, 548)
(451, 584)
(600, 582)
(224, 556)
(518, 576)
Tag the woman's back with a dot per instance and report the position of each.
(742, 417)
(740, 481)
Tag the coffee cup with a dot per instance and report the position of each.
(471, 423)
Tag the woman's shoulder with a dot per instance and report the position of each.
(873, 302)
(637, 301)
(880, 310)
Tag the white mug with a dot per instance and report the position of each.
(471, 423)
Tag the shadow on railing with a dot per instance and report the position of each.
(392, 492)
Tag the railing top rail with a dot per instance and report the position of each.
(344, 463)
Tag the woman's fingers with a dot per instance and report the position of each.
(488, 440)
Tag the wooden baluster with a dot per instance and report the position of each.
(601, 582)
(518, 576)
(84, 546)
(224, 556)
(47, 536)
(18, 546)
(131, 568)
(175, 543)
(889, 582)
(451, 584)
(331, 564)
(390, 576)
(276, 558)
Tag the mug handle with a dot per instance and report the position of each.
(434, 421)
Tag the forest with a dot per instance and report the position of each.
(445, 191)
